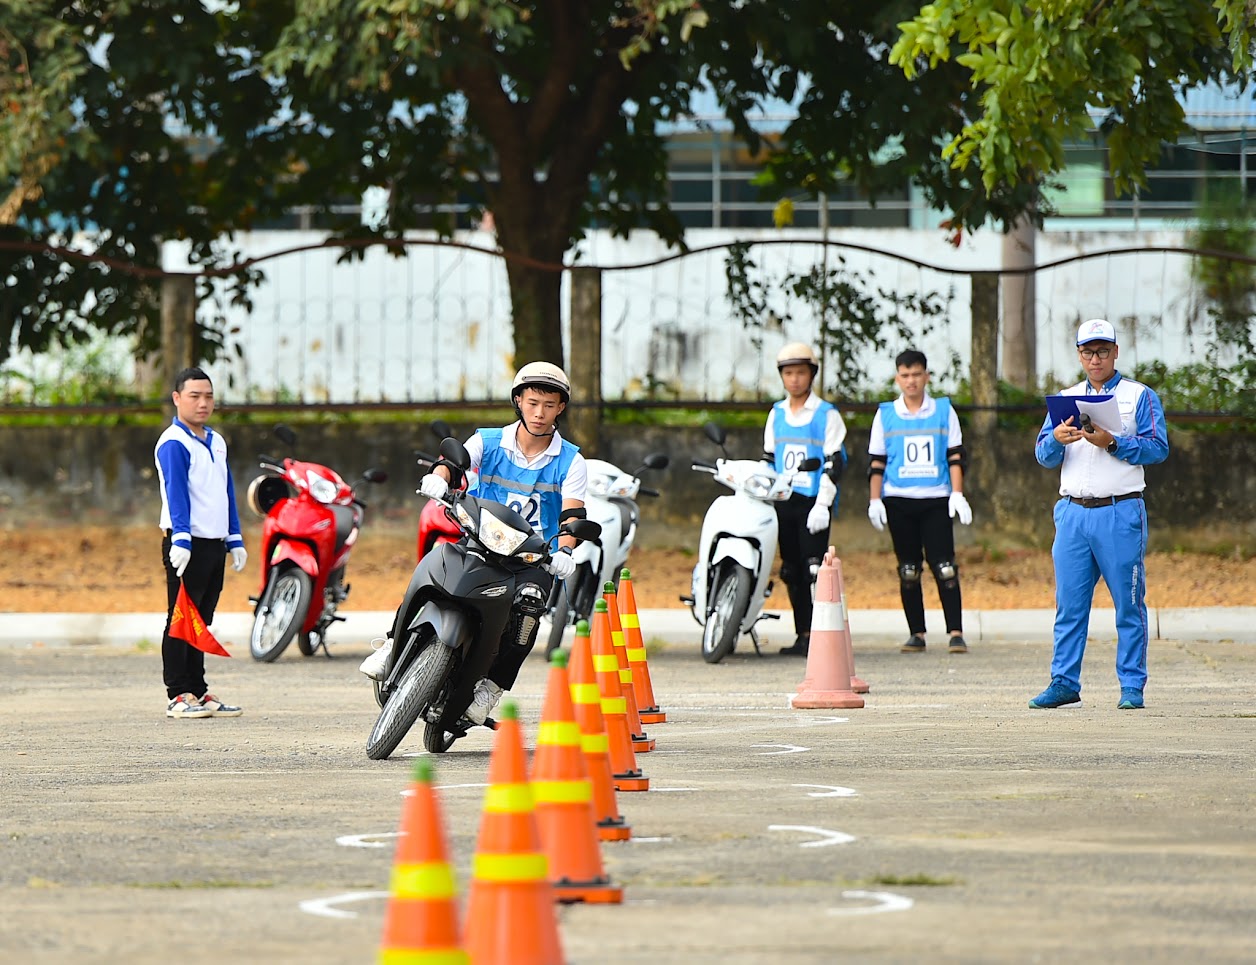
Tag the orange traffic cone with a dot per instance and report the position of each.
(641, 742)
(827, 681)
(421, 923)
(857, 685)
(647, 707)
(510, 906)
(626, 775)
(587, 701)
(564, 799)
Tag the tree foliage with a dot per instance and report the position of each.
(1038, 68)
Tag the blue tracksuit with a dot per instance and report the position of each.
(1108, 540)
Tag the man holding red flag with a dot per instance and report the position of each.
(200, 525)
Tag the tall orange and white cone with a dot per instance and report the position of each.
(827, 681)
(647, 706)
(856, 685)
(510, 906)
(421, 922)
(564, 799)
(586, 699)
(641, 742)
(624, 771)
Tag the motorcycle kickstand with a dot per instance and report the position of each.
(322, 635)
(754, 638)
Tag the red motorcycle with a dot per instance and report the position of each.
(312, 518)
(435, 525)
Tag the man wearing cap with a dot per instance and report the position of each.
(1100, 519)
(803, 426)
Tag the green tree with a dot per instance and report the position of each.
(1038, 67)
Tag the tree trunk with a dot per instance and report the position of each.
(536, 300)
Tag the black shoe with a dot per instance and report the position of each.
(914, 644)
(799, 647)
(957, 645)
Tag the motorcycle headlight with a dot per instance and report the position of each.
(758, 486)
(497, 536)
(324, 490)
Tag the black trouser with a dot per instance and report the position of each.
(183, 666)
(916, 523)
(510, 654)
(800, 549)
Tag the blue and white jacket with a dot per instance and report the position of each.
(1091, 471)
(197, 493)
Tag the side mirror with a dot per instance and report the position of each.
(715, 433)
(808, 465)
(375, 476)
(441, 430)
(656, 460)
(455, 453)
(285, 435)
(584, 529)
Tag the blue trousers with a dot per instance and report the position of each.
(1107, 541)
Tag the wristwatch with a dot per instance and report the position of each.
(1111, 450)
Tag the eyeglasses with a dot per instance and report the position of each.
(1099, 353)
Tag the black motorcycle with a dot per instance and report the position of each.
(463, 598)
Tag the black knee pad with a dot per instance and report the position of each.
(946, 573)
(908, 575)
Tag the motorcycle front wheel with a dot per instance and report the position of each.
(731, 596)
(282, 610)
(419, 687)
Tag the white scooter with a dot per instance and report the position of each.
(610, 501)
(737, 548)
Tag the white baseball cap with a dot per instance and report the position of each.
(1096, 330)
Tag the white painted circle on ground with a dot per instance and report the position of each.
(326, 907)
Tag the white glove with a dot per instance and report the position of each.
(561, 565)
(818, 519)
(876, 514)
(958, 506)
(433, 486)
(239, 556)
(179, 557)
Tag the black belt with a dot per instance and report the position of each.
(1094, 502)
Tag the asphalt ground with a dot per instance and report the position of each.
(943, 821)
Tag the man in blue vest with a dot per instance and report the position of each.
(916, 464)
(530, 467)
(1100, 519)
(802, 426)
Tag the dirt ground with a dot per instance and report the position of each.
(103, 570)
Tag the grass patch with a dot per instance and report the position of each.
(144, 646)
(914, 881)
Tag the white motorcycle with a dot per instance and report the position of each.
(738, 546)
(611, 502)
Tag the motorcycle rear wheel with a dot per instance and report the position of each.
(282, 610)
(560, 616)
(419, 686)
(731, 596)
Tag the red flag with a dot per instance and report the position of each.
(186, 624)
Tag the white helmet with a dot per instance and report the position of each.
(544, 376)
(797, 353)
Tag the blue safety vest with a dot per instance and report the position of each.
(796, 443)
(535, 494)
(915, 449)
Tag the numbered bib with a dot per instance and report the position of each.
(528, 506)
(919, 458)
(792, 456)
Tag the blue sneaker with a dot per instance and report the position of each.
(1056, 695)
(1131, 699)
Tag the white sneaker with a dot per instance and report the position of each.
(376, 664)
(485, 698)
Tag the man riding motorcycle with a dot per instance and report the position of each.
(528, 466)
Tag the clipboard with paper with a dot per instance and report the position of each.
(1102, 410)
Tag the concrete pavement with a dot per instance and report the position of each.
(673, 625)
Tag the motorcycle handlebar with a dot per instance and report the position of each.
(644, 491)
(703, 464)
